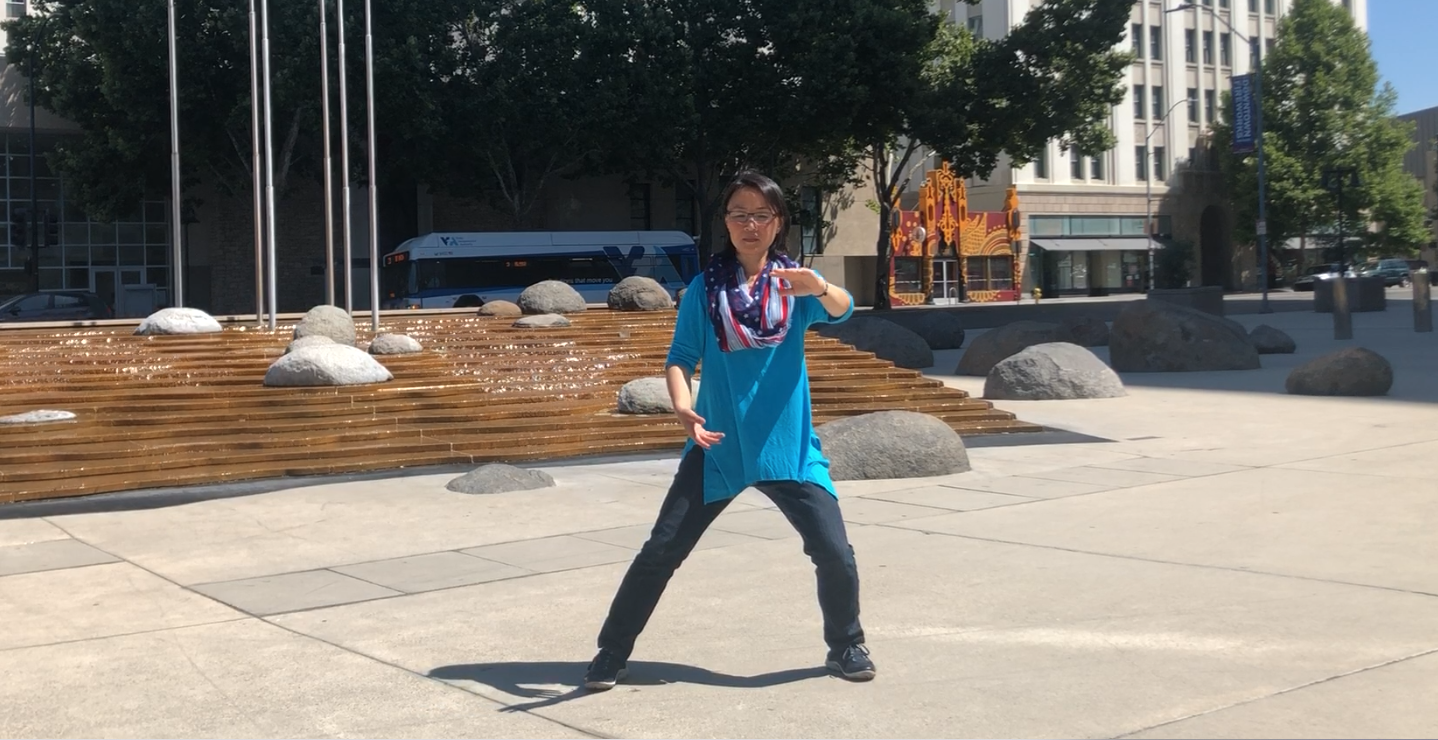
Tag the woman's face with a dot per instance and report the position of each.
(752, 223)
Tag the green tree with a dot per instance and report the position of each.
(975, 101)
(104, 65)
(1322, 107)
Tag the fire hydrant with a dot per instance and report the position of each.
(1038, 294)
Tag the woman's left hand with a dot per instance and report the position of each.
(802, 281)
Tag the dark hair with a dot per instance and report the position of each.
(773, 195)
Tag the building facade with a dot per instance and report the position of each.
(1422, 162)
(1086, 212)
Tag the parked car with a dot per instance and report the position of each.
(1393, 271)
(1317, 272)
(60, 305)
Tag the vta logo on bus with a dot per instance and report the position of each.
(624, 263)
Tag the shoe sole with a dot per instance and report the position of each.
(607, 685)
(867, 675)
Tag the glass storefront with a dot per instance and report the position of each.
(94, 256)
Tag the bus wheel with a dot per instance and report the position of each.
(468, 301)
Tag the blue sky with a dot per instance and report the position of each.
(1401, 32)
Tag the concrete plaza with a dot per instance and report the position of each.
(1207, 557)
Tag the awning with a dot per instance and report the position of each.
(1096, 244)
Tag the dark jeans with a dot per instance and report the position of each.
(683, 518)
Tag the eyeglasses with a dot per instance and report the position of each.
(737, 217)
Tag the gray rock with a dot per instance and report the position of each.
(542, 321)
(884, 338)
(327, 321)
(500, 479)
(309, 341)
(891, 444)
(1157, 337)
(1270, 341)
(551, 296)
(326, 364)
(394, 344)
(638, 293)
(1051, 372)
(941, 329)
(650, 396)
(178, 321)
(994, 345)
(505, 309)
(1352, 371)
(1086, 331)
(39, 416)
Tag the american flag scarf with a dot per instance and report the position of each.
(746, 318)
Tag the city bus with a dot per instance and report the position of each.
(458, 270)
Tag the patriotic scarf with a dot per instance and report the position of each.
(745, 318)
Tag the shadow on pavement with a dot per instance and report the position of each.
(533, 680)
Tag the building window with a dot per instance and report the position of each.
(1193, 105)
(1268, 7)
(1041, 164)
(1138, 112)
(976, 26)
(1140, 163)
(1208, 106)
(989, 273)
(1208, 47)
(1190, 54)
(1159, 109)
(1155, 43)
(1095, 171)
(1193, 157)
(1076, 164)
(1268, 46)
(1136, 34)
(811, 212)
(685, 209)
(1209, 3)
(640, 210)
(1160, 171)
(1222, 3)
(1253, 53)
(1253, 6)
(1225, 49)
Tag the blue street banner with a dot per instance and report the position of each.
(1243, 130)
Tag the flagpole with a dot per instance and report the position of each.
(345, 239)
(269, 161)
(255, 168)
(177, 256)
(373, 184)
(329, 180)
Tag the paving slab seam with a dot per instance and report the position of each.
(242, 617)
(1288, 690)
(580, 730)
(1227, 569)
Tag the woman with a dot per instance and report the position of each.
(745, 319)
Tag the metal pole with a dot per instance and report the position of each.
(1264, 306)
(373, 183)
(255, 168)
(1148, 218)
(1422, 307)
(177, 273)
(329, 182)
(269, 163)
(32, 233)
(346, 258)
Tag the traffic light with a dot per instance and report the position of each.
(52, 230)
(20, 230)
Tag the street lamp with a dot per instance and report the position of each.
(1262, 226)
(1148, 171)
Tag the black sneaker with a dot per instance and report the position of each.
(852, 663)
(604, 671)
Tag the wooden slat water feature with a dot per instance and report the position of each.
(187, 410)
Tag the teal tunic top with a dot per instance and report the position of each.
(759, 399)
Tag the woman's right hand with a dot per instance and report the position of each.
(694, 427)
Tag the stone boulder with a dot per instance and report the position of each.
(639, 293)
(650, 396)
(312, 340)
(1052, 372)
(39, 416)
(884, 338)
(1157, 337)
(504, 309)
(326, 364)
(1270, 341)
(1086, 331)
(941, 329)
(542, 321)
(891, 444)
(327, 321)
(1352, 371)
(395, 344)
(500, 479)
(178, 321)
(994, 345)
(551, 296)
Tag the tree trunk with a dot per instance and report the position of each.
(882, 250)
